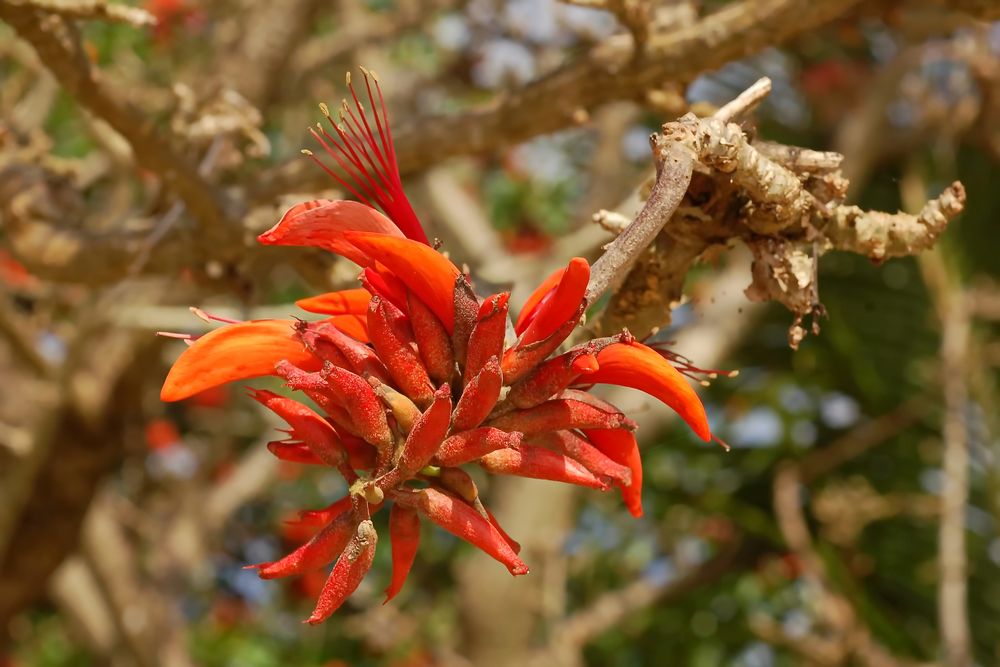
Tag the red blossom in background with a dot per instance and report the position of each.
(416, 375)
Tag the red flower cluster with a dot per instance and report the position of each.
(416, 376)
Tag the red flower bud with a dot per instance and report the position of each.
(307, 426)
(466, 307)
(295, 452)
(390, 334)
(360, 358)
(514, 544)
(586, 454)
(487, 336)
(366, 410)
(314, 386)
(325, 515)
(558, 414)
(404, 533)
(540, 463)
(346, 575)
(317, 552)
(463, 521)
(470, 445)
(479, 397)
(428, 432)
(433, 342)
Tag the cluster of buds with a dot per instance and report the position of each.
(416, 378)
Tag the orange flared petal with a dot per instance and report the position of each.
(425, 271)
(235, 352)
(322, 223)
(344, 302)
(640, 367)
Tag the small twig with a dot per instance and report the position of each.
(745, 102)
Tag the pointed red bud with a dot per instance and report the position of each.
(293, 452)
(463, 521)
(466, 308)
(315, 387)
(586, 454)
(487, 337)
(540, 463)
(470, 445)
(366, 410)
(514, 545)
(479, 397)
(427, 434)
(317, 552)
(307, 426)
(559, 414)
(404, 533)
(346, 575)
(327, 514)
(433, 341)
(360, 358)
(392, 338)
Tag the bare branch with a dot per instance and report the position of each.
(91, 9)
(883, 235)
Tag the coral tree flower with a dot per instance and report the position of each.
(416, 376)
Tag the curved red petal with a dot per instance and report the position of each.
(343, 302)
(640, 367)
(531, 303)
(235, 352)
(404, 534)
(322, 223)
(621, 447)
(561, 305)
(425, 271)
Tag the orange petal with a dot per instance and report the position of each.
(640, 367)
(560, 304)
(235, 352)
(531, 303)
(425, 271)
(621, 447)
(344, 302)
(355, 326)
(322, 223)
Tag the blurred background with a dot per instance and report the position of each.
(144, 145)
